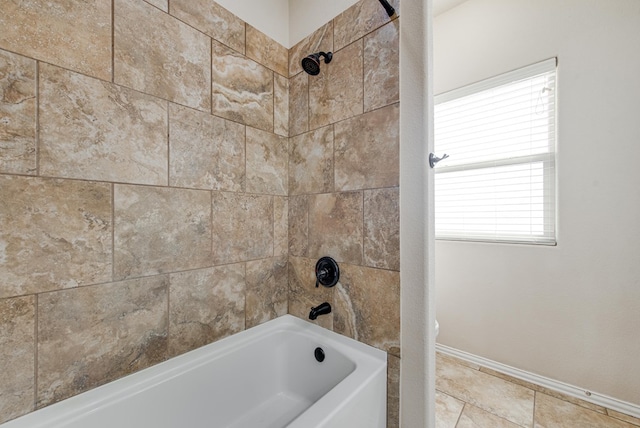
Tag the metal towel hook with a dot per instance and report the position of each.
(433, 160)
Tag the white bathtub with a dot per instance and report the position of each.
(264, 377)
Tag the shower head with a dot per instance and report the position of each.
(311, 64)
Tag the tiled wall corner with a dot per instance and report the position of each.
(320, 40)
(266, 298)
(344, 180)
(206, 305)
(212, 19)
(218, 162)
(242, 227)
(242, 89)
(263, 49)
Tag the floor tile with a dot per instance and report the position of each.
(448, 410)
(497, 396)
(553, 412)
(544, 390)
(474, 417)
(623, 417)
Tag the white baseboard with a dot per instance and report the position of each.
(570, 390)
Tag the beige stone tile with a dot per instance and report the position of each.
(553, 412)
(367, 150)
(382, 67)
(303, 294)
(360, 19)
(89, 336)
(242, 227)
(267, 290)
(18, 114)
(281, 105)
(448, 410)
(17, 355)
(367, 306)
(71, 34)
(474, 417)
(623, 417)
(159, 230)
(157, 54)
(205, 305)
(55, 234)
(95, 130)
(496, 396)
(242, 89)
(337, 92)
(266, 51)
(319, 40)
(311, 162)
(298, 104)
(207, 152)
(393, 391)
(267, 163)
(280, 226)
(544, 390)
(448, 359)
(160, 4)
(212, 19)
(336, 226)
(299, 225)
(382, 228)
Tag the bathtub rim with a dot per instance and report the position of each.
(369, 362)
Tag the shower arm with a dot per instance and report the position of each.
(390, 10)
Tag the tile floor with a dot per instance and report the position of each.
(470, 396)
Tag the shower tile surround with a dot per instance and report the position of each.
(163, 188)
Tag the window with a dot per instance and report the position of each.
(498, 183)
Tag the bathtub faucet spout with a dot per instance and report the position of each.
(321, 309)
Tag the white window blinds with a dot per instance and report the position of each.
(498, 183)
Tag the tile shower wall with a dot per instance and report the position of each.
(166, 170)
(143, 188)
(344, 180)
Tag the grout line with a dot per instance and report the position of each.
(113, 232)
(37, 118)
(35, 353)
(535, 399)
(113, 41)
(168, 145)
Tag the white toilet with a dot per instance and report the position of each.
(437, 328)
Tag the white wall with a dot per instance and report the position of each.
(287, 21)
(269, 16)
(306, 16)
(571, 312)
